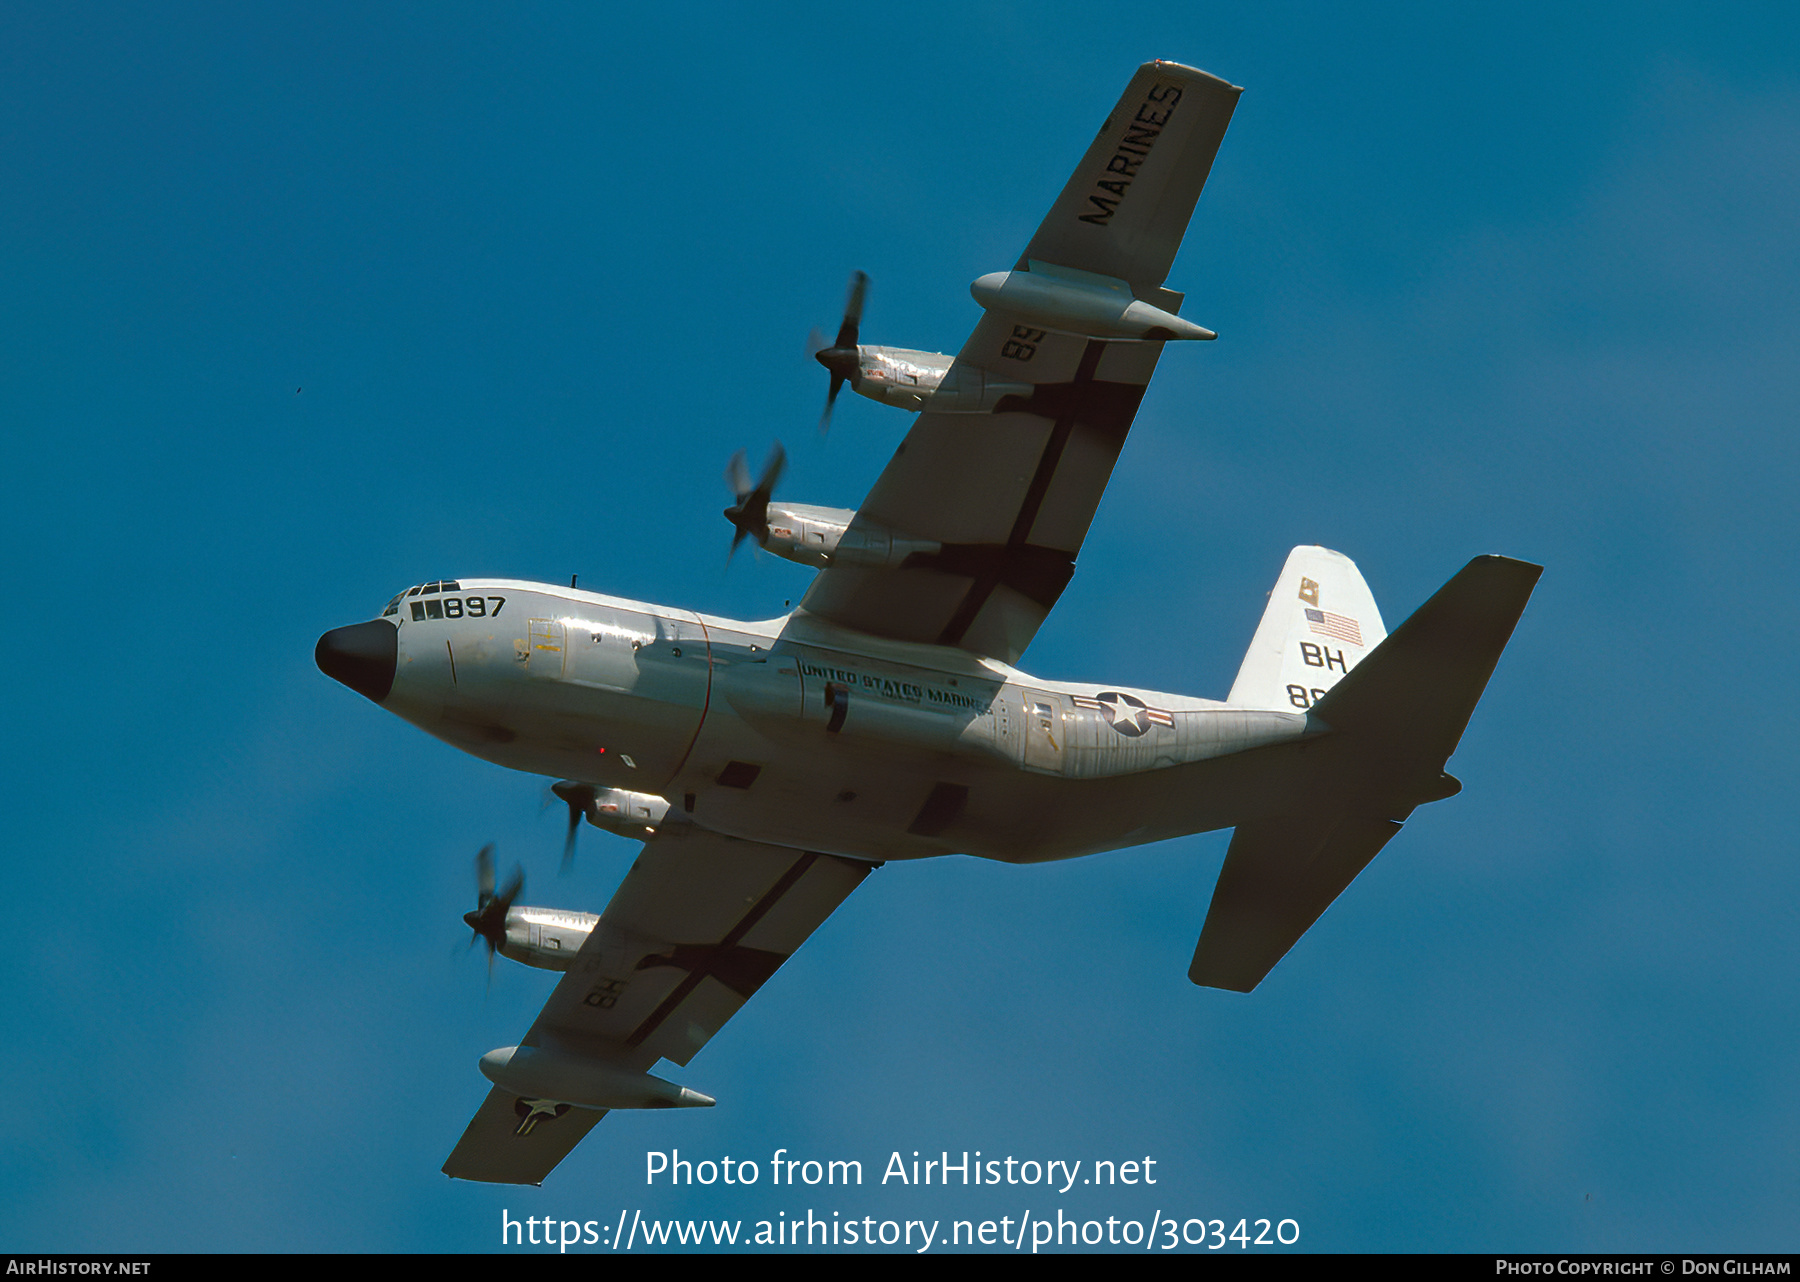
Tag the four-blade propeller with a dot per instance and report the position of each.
(750, 514)
(488, 921)
(579, 798)
(841, 356)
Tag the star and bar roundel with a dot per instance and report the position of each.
(1127, 713)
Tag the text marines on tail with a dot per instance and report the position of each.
(767, 767)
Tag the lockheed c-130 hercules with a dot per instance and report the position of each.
(767, 767)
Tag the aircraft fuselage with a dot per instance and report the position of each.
(799, 732)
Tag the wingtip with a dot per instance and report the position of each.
(1201, 980)
(1170, 65)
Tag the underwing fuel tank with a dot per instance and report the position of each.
(1078, 302)
(542, 1073)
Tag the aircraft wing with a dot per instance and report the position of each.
(1010, 494)
(698, 925)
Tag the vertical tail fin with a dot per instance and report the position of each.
(1321, 620)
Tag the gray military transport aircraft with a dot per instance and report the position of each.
(768, 767)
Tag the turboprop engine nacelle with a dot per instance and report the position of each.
(637, 815)
(929, 381)
(539, 1072)
(822, 536)
(547, 938)
(1078, 302)
(899, 376)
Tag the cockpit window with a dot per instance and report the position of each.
(423, 590)
(430, 605)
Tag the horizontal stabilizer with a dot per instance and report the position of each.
(1279, 875)
(1411, 698)
(1393, 721)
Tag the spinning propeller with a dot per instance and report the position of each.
(750, 514)
(488, 921)
(841, 356)
(579, 798)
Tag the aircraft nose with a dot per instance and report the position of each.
(363, 656)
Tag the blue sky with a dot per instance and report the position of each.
(1517, 280)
